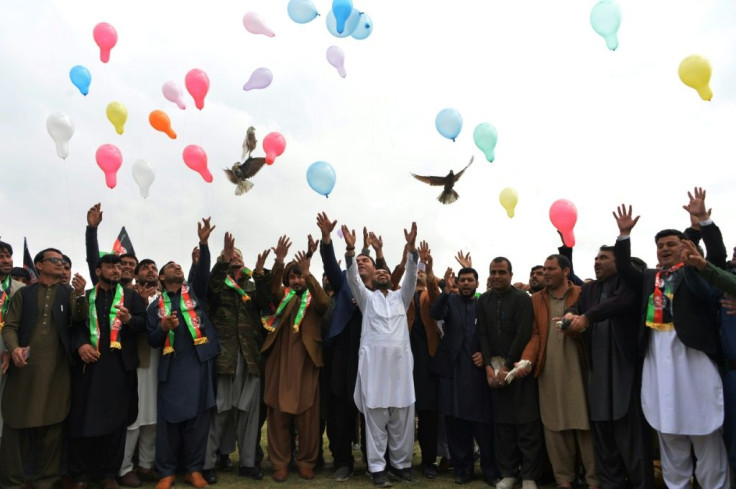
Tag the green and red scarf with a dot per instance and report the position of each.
(270, 322)
(4, 302)
(115, 322)
(186, 307)
(230, 282)
(659, 310)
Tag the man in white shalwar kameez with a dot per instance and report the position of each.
(384, 390)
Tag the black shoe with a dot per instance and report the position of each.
(463, 478)
(380, 479)
(401, 474)
(225, 464)
(252, 472)
(429, 471)
(210, 475)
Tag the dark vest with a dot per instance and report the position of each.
(61, 314)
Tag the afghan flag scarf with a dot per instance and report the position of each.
(230, 282)
(306, 298)
(659, 308)
(4, 302)
(115, 322)
(186, 307)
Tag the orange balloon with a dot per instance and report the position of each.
(160, 121)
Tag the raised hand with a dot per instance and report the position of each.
(260, 262)
(423, 251)
(696, 206)
(366, 238)
(229, 248)
(282, 249)
(326, 226)
(204, 229)
(377, 243)
(94, 215)
(411, 237)
(311, 245)
(303, 260)
(691, 256)
(465, 260)
(78, 284)
(624, 220)
(349, 236)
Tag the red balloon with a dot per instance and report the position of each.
(198, 84)
(196, 159)
(109, 159)
(274, 145)
(564, 215)
(106, 37)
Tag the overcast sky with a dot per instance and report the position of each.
(575, 121)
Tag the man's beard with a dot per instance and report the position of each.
(381, 285)
(536, 288)
(108, 281)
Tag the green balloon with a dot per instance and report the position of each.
(485, 137)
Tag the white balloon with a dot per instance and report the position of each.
(61, 129)
(143, 175)
(336, 58)
(173, 93)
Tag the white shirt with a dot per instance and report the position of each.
(385, 361)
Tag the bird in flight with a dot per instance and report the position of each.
(241, 172)
(448, 195)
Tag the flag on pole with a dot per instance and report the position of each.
(28, 263)
(123, 244)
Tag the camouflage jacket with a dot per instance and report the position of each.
(237, 321)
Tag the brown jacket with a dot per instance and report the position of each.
(311, 326)
(426, 299)
(536, 348)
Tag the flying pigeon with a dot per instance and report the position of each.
(241, 172)
(448, 195)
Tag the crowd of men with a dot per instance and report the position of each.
(572, 378)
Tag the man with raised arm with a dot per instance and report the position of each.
(384, 389)
(128, 261)
(178, 325)
(682, 391)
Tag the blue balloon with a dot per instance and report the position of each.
(342, 10)
(350, 24)
(449, 122)
(365, 27)
(302, 11)
(321, 177)
(81, 78)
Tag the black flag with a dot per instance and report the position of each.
(28, 263)
(123, 245)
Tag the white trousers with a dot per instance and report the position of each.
(145, 437)
(711, 470)
(393, 427)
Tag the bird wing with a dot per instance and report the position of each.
(231, 176)
(249, 143)
(251, 166)
(434, 181)
(458, 175)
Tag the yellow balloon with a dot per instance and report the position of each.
(117, 114)
(508, 199)
(695, 72)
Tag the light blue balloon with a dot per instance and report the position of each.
(365, 27)
(605, 17)
(449, 123)
(342, 10)
(81, 78)
(302, 11)
(321, 177)
(350, 24)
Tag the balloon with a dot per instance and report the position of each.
(606, 19)
(117, 114)
(695, 72)
(61, 129)
(564, 215)
(106, 37)
(508, 199)
(486, 137)
(260, 78)
(198, 84)
(143, 175)
(350, 25)
(449, 122)
(109, 159)
(302, 11)
(196, 159)
(160, 121)
(81, 78)
(274, 145)
(321, 177)
(255, 25)
(172, 92)
(364, 28)
(341, 9)
(336, 58)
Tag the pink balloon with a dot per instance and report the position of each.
(198, 84)
(106, 37)
(336, 58)
(172, 92)
(564, 215)
(109, 159)
(196, 159)
(255, 25)
(274, 145)
(260, 78)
